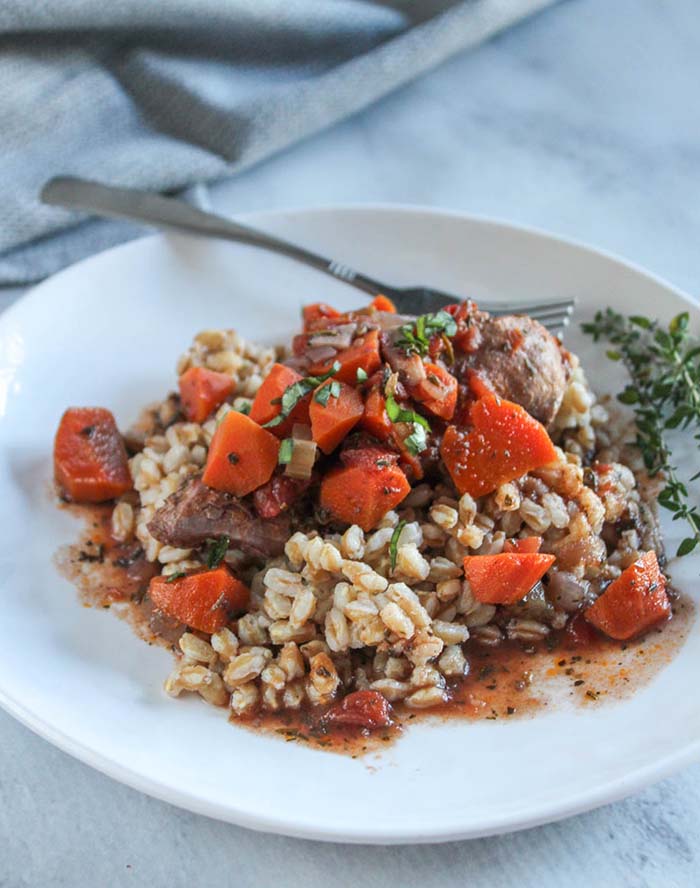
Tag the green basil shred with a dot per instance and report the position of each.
(327, 391)
(394, 544)
(217, 549)
(417, 441)
(176, 576)
(286, 451)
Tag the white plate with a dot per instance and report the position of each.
(108, 332)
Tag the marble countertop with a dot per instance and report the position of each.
(582, 121)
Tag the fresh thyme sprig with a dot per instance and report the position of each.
(664, 392)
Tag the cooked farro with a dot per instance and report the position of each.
(384, 605)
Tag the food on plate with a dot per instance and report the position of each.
(343, 527)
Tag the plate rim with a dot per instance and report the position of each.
(521, 818)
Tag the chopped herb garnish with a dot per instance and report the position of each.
(244, 407)
(417, 441)
(327, 391)
(217, 551)
(361, 375)
(397, 413)
(295, 392)
(415, 337)
(394, 544)
(664, 392)
(176, 576)
(286, 451)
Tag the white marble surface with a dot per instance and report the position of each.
(583, 121)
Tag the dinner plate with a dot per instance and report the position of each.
(108, 332)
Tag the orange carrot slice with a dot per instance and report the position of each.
(333, 418)
(632, 603)
(205, 601)
(363, 494)
(504, 443)
(505, 578)
(90, 461)
(242, 455)
(202, 391)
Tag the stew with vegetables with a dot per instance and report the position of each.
(344, 533)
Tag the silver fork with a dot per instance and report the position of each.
(168, 212)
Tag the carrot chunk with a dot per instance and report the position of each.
(505, 578)
(205, 601)
(376, 420)
(242, 455)
(525, 545)
(202, 391)
(632, 603)
(504, 443)
(267, 406)
(383, 303)
(316, 312)
(437, 392)
(363, 494)
(332, 418)
(362, 354)
(90, 461)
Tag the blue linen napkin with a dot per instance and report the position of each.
(161, 94)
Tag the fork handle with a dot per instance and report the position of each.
(154, 209)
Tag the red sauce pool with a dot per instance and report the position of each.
(509, 681)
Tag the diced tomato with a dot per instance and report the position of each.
(525, 545)
(362, 709)
(579, 633)
(437, 392)
(277, 495)
(368, 455)
(468, 336)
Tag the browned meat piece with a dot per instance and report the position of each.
(195, 513)
(521, 361)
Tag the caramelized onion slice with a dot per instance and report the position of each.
(304, 453)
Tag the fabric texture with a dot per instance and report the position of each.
(166, 94)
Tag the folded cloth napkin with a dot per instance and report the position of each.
(161, 95)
